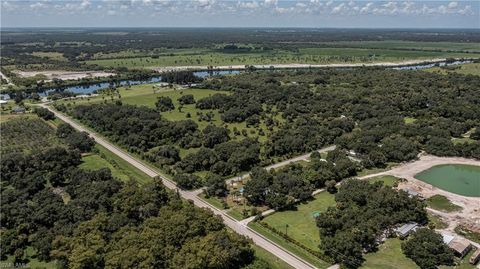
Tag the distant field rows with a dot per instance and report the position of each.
(302, 56)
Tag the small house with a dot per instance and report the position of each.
(18, 110)
(4, 97)
(460, 246)
(475, 257)
(447, 238)
(3, 102)
(406, 229)
(412, 193)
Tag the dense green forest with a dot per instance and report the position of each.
(59, 213)
(380, 115)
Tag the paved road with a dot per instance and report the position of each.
(235, 225)
(284, 163)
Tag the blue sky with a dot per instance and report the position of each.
(241, 13)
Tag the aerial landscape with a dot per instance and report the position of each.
(249, 134)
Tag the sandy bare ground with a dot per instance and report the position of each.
(64, 75)
(469, 216)
(290, 66)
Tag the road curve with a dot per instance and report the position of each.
(235, 225)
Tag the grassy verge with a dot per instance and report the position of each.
(441, 203)
(273, 261)
(94, 162)
(123, 166)
(288, 246)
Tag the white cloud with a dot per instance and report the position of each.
(452, 4)
(249, 5)
(338, 9)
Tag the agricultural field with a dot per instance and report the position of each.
(27, 134)
(301, 56)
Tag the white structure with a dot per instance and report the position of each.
(406, 229)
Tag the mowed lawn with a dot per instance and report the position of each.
(388, 256)
(95, 162)
(301, 222)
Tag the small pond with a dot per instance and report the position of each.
(455, 178)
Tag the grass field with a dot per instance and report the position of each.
(388, 256)
(94, 162)
(351, 52)
(122, 167)
(301, 222)
(288, 246)
(146, 95)
(464, 69)
(441, 203)
(387, 180)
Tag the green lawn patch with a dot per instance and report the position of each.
(437, 221)
(122, 166)
(272, 260)
(409, 120)
(301, 222)
(387, 180)
(441, 203)
(288, 246)
(388, 256)
(95, 162)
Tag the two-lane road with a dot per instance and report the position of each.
(235, 225)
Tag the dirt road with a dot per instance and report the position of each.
(303, 157)
(235, 225)
(294, 65)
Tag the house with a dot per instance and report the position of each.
(18, 110)
(412, 193)
(406, 229)
(5, 97)
(162, 84)
(460, 246)
(475, 257)
(447, 238)
(3, 102)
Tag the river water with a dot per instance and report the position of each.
(92, 88)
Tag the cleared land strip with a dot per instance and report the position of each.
(303, 157)
(294, 65)
(237, 226)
